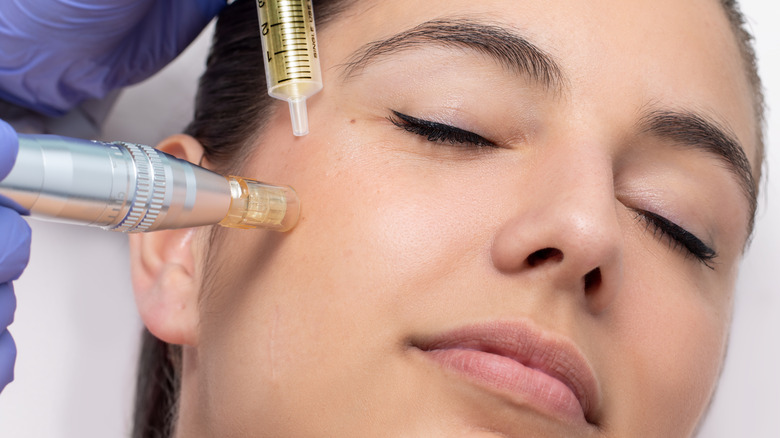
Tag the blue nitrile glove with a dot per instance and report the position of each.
(58, 53)
(14, 253)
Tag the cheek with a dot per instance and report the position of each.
(669, 338)
(289, 315)
(367, 204)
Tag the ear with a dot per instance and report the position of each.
(165, 268)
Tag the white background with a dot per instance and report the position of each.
(77, 329)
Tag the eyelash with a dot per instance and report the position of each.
(662, 228)
(439, 132)
(679, 237)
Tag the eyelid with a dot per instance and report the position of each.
(681, 207)
(438, 132)
(679, 237)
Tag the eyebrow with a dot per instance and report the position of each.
(700, 132)
(506, 47)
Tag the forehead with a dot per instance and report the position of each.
(681, 55)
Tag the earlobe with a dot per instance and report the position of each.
(164, 268)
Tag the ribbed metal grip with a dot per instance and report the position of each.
(150, 189)
(117, 186)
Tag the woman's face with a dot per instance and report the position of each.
(522, 219)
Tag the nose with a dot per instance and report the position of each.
(564, 229)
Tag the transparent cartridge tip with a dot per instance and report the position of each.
(299, 116)
(257, 205)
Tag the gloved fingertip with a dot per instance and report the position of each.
(7, 304)
(7, 358)
(14, 245)
(9, 147)
(13, 205)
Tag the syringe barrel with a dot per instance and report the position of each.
(116, 186)
(291, 55)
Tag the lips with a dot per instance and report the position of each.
(530, 367)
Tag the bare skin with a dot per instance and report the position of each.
(335, 328)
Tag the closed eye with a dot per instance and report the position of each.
(678, 237)
(439, 132)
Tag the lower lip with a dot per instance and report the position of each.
(527, 386)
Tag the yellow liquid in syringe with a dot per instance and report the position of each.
(292, 64)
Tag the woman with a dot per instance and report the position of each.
(518, 221)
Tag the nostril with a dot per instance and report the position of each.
(592, 280)
(544, 255)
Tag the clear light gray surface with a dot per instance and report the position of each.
(77, 327)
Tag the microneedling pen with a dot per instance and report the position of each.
(134, 188)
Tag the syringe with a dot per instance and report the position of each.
(292, 64)
(133, 188)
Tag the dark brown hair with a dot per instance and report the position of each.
(750, 63)
(231, 109)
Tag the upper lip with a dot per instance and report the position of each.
(552, 355)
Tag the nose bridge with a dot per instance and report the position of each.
(582, 202)
(567, 225)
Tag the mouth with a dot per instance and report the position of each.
(527, 366)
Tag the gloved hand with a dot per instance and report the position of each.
(14, 254)
(57, 53)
